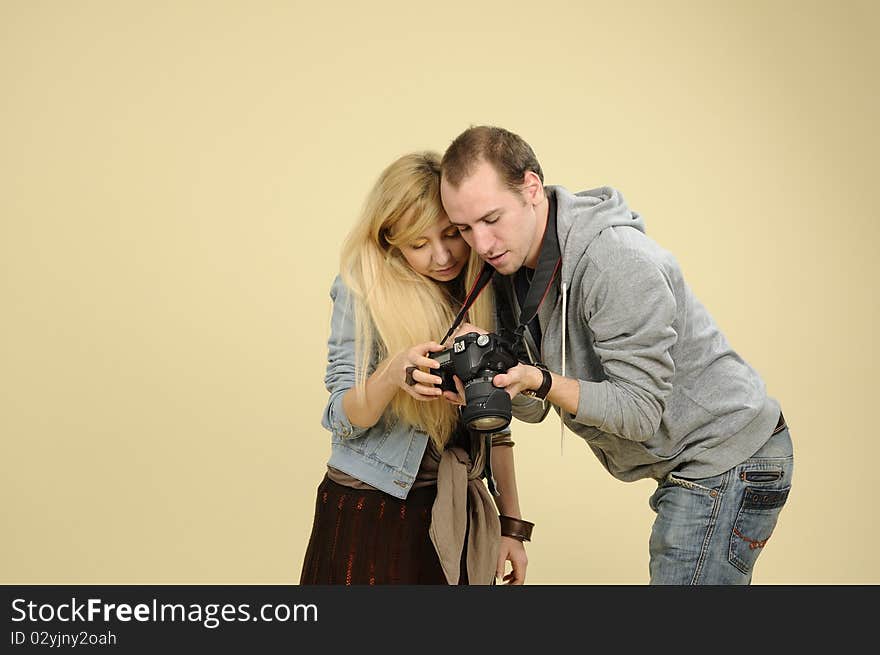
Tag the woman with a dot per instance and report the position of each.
(402, 501)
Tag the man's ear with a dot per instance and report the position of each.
(533, 188)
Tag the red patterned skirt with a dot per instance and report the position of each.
(370, 537)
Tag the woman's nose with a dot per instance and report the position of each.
(442, 256)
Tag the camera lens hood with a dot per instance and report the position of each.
(487, 409)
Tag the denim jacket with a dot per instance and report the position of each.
(388, 454)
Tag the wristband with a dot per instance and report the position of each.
(542, 391)
(516, 528)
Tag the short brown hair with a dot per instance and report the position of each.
(507, 153)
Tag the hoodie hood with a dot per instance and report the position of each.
(593, 211)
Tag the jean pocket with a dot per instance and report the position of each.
(761, 476)
(754, 524)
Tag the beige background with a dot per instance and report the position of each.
(177, 177)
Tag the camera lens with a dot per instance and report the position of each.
(489, 423)
(488, 407)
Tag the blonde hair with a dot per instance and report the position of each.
(396, 308)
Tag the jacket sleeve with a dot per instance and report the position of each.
(340, 372)
(631, 310)
(529, 410)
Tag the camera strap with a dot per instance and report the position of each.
(549, 264)
(481, 281)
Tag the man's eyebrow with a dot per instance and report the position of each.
(481, 218)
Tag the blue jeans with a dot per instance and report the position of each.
(710, 531)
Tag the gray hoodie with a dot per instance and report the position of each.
(661, 389)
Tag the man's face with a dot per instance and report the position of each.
(499, 224)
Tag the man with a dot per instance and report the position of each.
(646, 378)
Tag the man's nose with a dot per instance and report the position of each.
(482, 241)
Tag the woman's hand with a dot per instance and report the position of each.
(513, 551)
(405, 370)
(453, 397)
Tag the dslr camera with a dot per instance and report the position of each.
(476, 359)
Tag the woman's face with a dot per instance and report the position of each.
(438, 253)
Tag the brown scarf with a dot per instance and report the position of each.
(458, 479)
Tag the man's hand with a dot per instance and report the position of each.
(519, 378)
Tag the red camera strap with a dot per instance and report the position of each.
(479, 284)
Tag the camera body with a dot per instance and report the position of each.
(476, 359)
